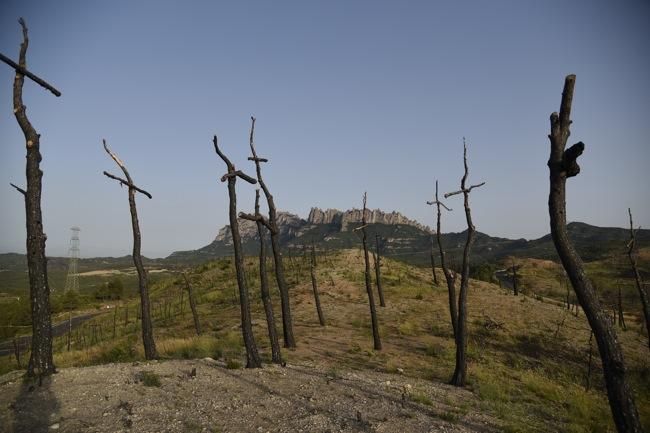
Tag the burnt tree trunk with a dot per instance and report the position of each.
(460, 372)
(41, 361)
(450, 278)
(371, 297)
(514, 279)
(621, 318)
(143, 284)
(312, 268)
(252, 356)
(276, 354)
(563, 164)
(433, 265)
(377, 261)
(643, 294)
(195, 313)
(287, 322)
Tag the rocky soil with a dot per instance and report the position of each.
(204, 396)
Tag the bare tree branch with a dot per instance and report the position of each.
(20, 190)
(127, 184)
(21, 70)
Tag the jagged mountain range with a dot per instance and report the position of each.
(407, 239)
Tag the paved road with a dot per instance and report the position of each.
(7, 347)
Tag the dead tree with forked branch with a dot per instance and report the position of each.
(371, 297)
(143, 284)
(252, 356)
(632, 251)
(377, 260)
(563, 164)
(460, 373)
(41, 361)
(276, 354)
(287, 325)
(450, 277)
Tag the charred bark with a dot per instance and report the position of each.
(371, 297)
(450, 277)
(41, 361)
(514, 279)
(377, 261)
(460, 372)
(321, 317)
(287, 322)
(562, 165)
(433, 265)
(621, 317)
(276, 354)
(195, 313)
(252, 356)
(143, 284)
(643, 293)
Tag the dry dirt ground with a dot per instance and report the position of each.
(296, 398)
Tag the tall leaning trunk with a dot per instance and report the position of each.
(276, 354)
(450, 278)
(377, 261)
(195, 313)
(371, 297)
(460, 372)
(143, 284)
(643, 293)
(252, 356)
(562, 165)
(287, 321)
(40, 361)
(314, 286)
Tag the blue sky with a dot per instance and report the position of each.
(350, 96)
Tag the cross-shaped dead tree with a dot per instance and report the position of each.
(262, 223)
(632, 252)
(563, 164)
(371, 297)
(41, 361)
(252, 357)
(143, 284)
(287, 325)
(460, 373)
(449, 276)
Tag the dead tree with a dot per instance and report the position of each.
(41, 361)
(143, 284)
(643, 294)
(450, 277)
(621, 318)
(377, 260)
(458, 379)
(276, 354)
(312, 268)
(562, 165)
(371, 297)
(252, 357)
(514, 279)
(433, 265)
(195, 313)
(287, 325)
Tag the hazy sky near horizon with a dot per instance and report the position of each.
(350, 96)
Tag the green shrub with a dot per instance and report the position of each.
(149, 378)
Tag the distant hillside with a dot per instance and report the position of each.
(407, 239)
